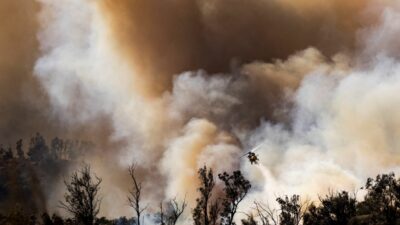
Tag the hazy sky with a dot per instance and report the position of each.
(176, 84)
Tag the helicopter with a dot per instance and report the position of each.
(253, 158)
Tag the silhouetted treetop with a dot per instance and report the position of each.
(81, 198)
(235, 189)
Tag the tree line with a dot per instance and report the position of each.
(381, 204)
(23, 169)
(39, 150)
(31, 168)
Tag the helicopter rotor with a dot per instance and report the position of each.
(252, 150)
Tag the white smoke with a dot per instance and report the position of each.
(341, 126)
(87, 80)
(200, 145)
(344, 128)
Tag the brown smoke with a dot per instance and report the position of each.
(257, 91)
(163, 38)
(24, 106)
(124, 60)
(281, 73)
(20, 98)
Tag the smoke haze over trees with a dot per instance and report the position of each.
(83, 202)
(179, 85)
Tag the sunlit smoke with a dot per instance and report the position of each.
(182, 84)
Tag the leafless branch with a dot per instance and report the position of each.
(134, 196)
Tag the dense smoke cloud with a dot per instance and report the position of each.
(257, 90)
(119, 59)
(174, 85)
(343, 124)
(201, 144)
(24, 104)
(20, 112)
(168, 37)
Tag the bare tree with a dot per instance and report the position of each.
(173, 212)
(81, 199)
(266, 214)
(291, 211)
(134, 196)
(176, 211)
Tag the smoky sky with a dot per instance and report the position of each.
(176, 84)
(168, 37)
(22, 104)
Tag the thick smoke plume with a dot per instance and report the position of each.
(20, 114)
(24, 103)
(188, 35)
(174, 85)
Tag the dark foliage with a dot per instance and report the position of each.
(382, 202)
(81, 199)
(124, 221)
(46, 220)
(38, 150)
(18, 217)
(25, 181)
(59, 149)
(53, 220)
(334, 209)
(236, 189)
(20, 151)
(205, 212)
(21, 182)
(57, 220)
(250, 220)
(291, 210)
